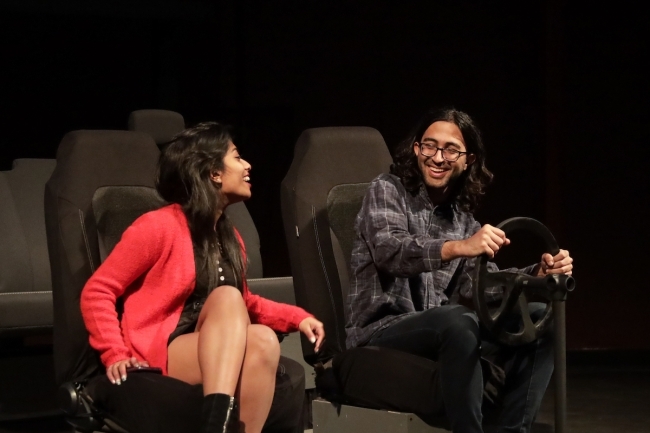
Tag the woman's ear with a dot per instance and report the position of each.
(215, 177)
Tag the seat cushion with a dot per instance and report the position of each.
(149, 402)
(382, 378)
(389, 379)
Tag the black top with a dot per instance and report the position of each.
(194, 303)
(226, 275)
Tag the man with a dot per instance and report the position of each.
(415, 250)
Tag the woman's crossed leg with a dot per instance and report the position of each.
(229, 355)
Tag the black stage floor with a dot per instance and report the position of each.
(607, 392)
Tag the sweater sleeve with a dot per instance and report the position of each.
(276, 315)
(132, 257)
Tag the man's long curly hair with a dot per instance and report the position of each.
(469, 187)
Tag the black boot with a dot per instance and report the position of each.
(220, 414)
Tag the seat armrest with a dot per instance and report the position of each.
(276, 289)
(281, 290)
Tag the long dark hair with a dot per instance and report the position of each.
(184, 170)
(470, 186)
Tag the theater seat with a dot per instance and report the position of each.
(162, 125)
(87, 161)
(25, 284)
(321, 194)
(26, 372)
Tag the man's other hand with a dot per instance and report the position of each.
(562, 263)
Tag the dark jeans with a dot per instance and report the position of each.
(451, 335)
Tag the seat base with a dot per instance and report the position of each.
(332, 418)
(27, 385)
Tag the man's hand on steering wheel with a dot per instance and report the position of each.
(562, 263)
(488, 240)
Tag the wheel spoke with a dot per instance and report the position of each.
(529, 332)
(517, 290)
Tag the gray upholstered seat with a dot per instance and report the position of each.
(161, 125)
(86, 162)
(321, 195)
(26, 376)
(25, 284)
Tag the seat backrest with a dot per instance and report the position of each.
(25, 283)
(343, 204)
(325, 158)
(243, 222)
(161, 125)
(86, 160)
(117, 207)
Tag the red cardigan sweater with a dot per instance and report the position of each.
(152, 269)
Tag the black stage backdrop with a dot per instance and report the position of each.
(558, 90)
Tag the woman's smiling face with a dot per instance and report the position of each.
(235, 176)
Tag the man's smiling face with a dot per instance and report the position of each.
(438, 173)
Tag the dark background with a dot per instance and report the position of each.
(558, 90)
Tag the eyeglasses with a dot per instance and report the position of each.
(449, 154)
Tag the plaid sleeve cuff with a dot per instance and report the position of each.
(432, 254)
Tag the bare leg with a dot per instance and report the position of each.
(219, 353)
(257, 384)
(217, 348)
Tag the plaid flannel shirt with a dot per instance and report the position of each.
(396, 265)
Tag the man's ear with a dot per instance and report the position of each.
(416, 148)
(470, 159)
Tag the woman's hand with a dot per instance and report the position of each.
(313, 330)
(117, 371)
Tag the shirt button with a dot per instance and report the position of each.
(222, 278)
(220, 270)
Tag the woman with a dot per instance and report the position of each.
(180, 272)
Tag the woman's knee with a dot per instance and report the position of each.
(228, 297)
(225, 303)
(263, 344)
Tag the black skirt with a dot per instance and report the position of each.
(192, 308)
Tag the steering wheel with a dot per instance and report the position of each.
(519, 289)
